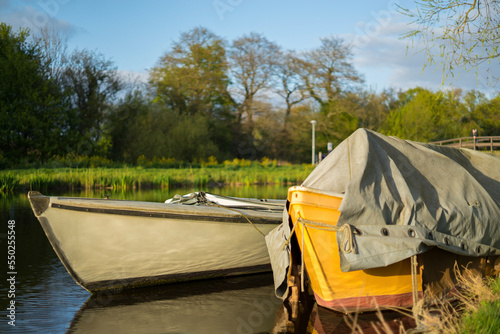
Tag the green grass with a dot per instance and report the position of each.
(482, 308)
(476, 310)
(485, 319)
(43, 179)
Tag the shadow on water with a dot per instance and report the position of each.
(241, 305)
(244, 304)
(49, 301)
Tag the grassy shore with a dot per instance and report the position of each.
(476, 310)
(137, 177)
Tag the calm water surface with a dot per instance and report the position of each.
(47, 300)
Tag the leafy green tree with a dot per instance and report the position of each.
(33, 109)
(163, 133)
(336, 121)
(427, 116)
(92, 82)
(192, 78)
(372, 109)
(487, 117)
(122, 119)
(298, 146)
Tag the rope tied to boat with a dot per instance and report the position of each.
(414, 285)
(347, 243)
(241, 213)
(200, 198)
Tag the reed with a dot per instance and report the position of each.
(44, 179)
(475, 311)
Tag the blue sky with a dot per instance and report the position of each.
(135, 34)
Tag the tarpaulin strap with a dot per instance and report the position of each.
(349, 158)
(414, 284)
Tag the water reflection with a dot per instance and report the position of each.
(233, 305)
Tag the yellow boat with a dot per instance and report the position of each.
(384, 222)
(314, 215)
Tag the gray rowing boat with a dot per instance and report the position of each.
(115, 244)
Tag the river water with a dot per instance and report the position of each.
(47, 300)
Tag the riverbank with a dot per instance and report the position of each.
(44, 179)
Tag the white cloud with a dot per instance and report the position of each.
(133, 77)
(380, 52)
(35, 18)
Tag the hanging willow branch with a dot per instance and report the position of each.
(457, 34)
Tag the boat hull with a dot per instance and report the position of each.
(362, 290)
(120, 244)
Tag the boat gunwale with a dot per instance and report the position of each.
(315, 191)
(238, 217)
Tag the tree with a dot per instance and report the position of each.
(53, 51)
(427, 116)
(253, 60)
(298, 146)
(122, 119)
(336, 121)
(93, 83)
(487, 117)
(327, 72)
(33, 110)
(373, 108)
(292, 89)
(193, 77)
(160, 132)
(467, 34)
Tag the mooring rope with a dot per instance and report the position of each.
(241, 213)
(347, 243)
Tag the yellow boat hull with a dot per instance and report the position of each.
(361, 290)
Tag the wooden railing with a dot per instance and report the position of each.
(492, 142)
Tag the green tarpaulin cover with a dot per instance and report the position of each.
(406, 197)
(403, 198)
